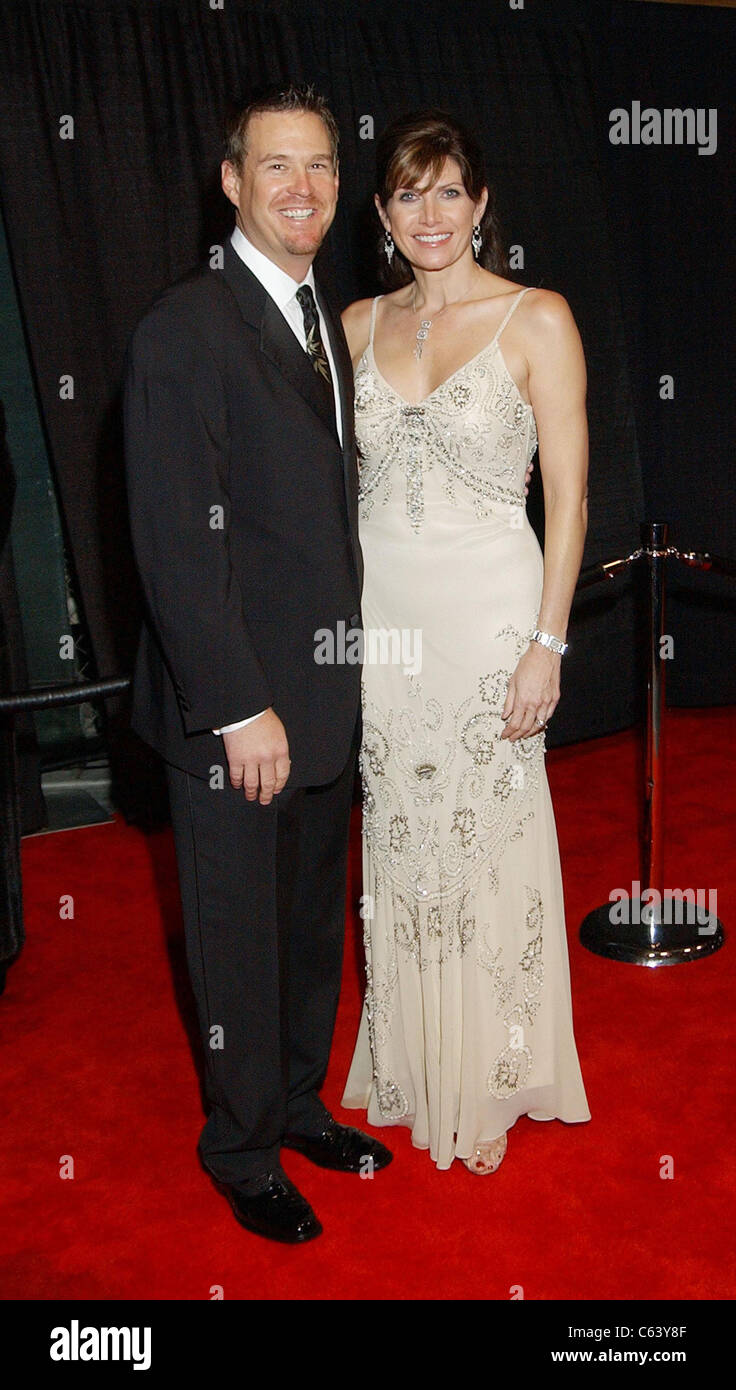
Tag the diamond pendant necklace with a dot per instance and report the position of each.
(426, 324)
(422, 333)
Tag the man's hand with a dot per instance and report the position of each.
(258, 757)
(527, 477)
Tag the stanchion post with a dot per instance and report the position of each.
(653, 932)
(654, 545)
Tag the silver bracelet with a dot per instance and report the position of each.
(547, 640)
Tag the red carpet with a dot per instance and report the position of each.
(96, 1064)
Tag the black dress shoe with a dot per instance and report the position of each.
(341, 1147)
(277, 1211)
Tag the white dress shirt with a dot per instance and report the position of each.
(282, 289)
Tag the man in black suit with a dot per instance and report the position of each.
(242, 477)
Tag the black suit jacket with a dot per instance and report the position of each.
(243, 510)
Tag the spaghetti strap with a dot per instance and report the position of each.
(374, 306)
(510, 311)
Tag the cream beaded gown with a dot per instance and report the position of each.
(467, 1021)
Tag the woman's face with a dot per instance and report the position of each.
(432, 225)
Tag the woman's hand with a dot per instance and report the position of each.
(533, 693)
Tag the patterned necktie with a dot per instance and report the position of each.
(315, 347)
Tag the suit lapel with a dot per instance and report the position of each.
(344, 365)
(277, 342)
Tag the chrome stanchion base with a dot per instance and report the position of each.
(651, 942)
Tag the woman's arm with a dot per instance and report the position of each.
(557, 390)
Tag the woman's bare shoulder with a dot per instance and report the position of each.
(544, 314)
(546, 308)
(550, 322)
(356, 320)
(551, 340)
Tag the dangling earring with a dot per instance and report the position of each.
(476, 240)
(388, 246)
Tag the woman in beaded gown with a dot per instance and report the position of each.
(467, 1021)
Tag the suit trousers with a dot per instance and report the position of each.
(263, 902)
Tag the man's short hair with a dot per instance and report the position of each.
(291, 98)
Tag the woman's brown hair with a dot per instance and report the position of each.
(412, 150)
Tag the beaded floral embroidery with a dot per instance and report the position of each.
(447, 432)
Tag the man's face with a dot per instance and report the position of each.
(286, 192)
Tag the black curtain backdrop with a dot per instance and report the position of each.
(639, 240)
